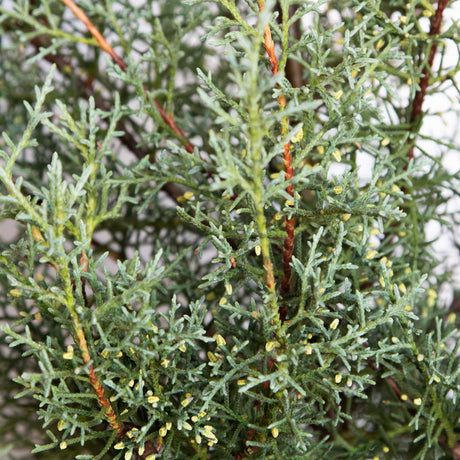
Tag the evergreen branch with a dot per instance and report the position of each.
(288, 246)
(105, 46)
(435, 28)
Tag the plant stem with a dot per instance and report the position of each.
(83, 345)
(288, 246)
(417, 105)
(105, 46)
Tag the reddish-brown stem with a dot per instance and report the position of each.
(435, 28)
(97, 387)
(288, 246)
(105, 46)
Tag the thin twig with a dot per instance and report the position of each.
(95, 383)
(293, 68)
(288, 246)
(105, 46)
(435, 29)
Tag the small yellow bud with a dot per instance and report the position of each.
(308, 350)
(151, 457)
(386, 449)
(212, 357)
(140, 451)
(119, 445)
(207, 432)
(404, 397)
(338, 190)
(349, 382)
(269, 346)
(338, 378)
(228, 289)
(185, 402)
(334, 324)
(220, 340)
(153, 400)
(371, 254)
(338, 94)
(275, 432)
(188, 195)
(337, 154)
(385, 141)
(131, 383)
(451, 318)
(63, 445)
(165, 363)
(427, 13)
(222, 301)
(69, 353)
(354, 73)
(128, 455)
(198, 439)
(163, 431)
(408, 308)
(402, 288)
(187, 426)
(15, 293)
(183, 347)
(298, 137)
(320, 149)
(241, 382)
(417, 401)
(436, 379)
(61, 425)
(345, 217)
(289, 203)
(379, 44)
(119, 354)
(395, 339)
(420, 357)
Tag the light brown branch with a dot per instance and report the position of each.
(95, 383)
(105, 46)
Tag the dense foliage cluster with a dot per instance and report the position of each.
(216, 243)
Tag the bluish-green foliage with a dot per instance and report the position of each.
(159, 257)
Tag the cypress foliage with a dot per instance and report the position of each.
(218, 242)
